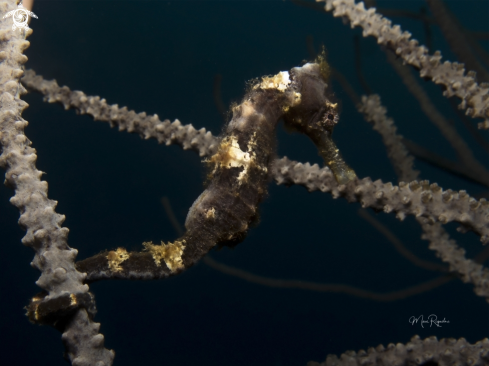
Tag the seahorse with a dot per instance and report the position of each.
(239, 173)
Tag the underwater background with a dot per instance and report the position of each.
(163, 57)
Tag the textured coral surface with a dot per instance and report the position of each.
(161, 57)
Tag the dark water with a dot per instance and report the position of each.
(161, 57)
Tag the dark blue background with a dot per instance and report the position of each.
(161, 57)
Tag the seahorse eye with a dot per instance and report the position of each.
(331, 116)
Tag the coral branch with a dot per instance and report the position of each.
(54, 258)
(475, 97)
(441, 352)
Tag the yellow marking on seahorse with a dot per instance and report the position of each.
(171, 253)
(230, 155)
(210, 214)
(115, 258)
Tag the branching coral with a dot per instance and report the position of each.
(114, 169)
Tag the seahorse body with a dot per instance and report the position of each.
(239, 174)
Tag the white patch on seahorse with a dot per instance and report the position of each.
(280, 81)
(239, 158)
(230, 155)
